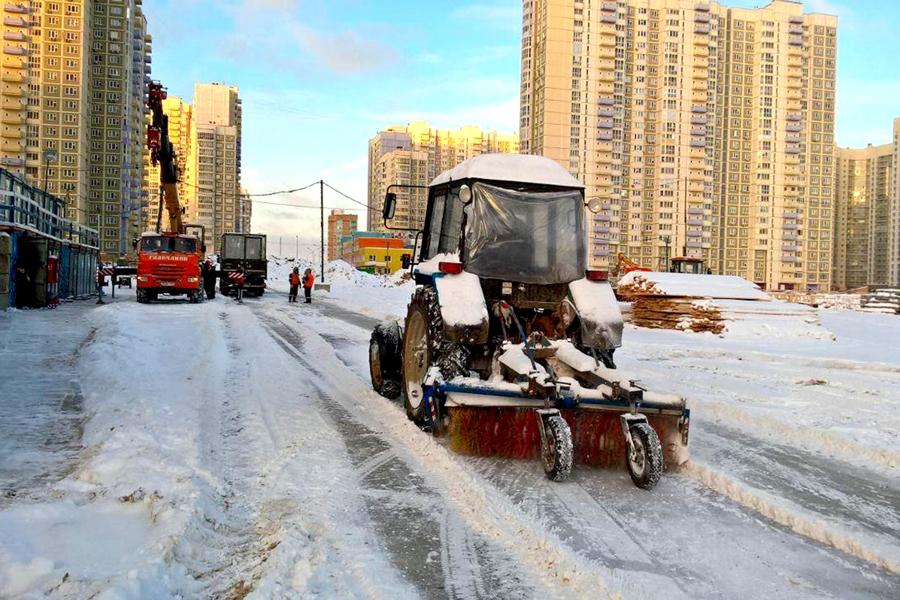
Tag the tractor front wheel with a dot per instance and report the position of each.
(645, 464)
(556, 448)
(416, 361)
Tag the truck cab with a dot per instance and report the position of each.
(168, 263)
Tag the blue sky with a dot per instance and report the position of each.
(319, 78)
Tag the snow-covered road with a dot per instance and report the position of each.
(238, 450)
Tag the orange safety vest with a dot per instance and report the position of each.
(308, 280)
(295, 279)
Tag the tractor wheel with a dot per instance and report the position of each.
(646, 465)
(416, 360)
(556, 451)
(384, 359)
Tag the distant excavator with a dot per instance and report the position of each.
(624, 264)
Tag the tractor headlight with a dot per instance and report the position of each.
(143, 278)
(193, 279)
(465, 194)
(595, 205)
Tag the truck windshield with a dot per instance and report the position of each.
(168, 244)
(528, 237)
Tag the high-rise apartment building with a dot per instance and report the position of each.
(246, 212)
(119, 57)
(214, 168)
(705, 130)
(862, 206)
(16, 31)
(894, 220)
(339, 225)
(57, 152)
(416, 153)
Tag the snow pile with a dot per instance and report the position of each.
(838, 301)
(461, 299)
(686, 285)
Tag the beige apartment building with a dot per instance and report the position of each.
(16, 30)
(246, 212)
(56, 147)
(416, 153)
(894, 220)
(213, 170)
(862, 206)
(706, 131)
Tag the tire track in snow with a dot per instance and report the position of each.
(494, 526)
(568, 516)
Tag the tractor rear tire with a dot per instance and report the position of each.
(385, 366)
(646, 466)
(557, 450)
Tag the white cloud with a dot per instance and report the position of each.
(345, 52)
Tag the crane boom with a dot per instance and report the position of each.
(162, 152)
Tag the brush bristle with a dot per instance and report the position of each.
(514, 433)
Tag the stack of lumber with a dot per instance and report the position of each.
(689, 302)
(883, 300)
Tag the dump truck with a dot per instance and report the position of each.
(247, 251)
(507, 346)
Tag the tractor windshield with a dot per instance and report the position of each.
(528, 237)
(167, 244)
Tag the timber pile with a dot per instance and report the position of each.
(882, 300)
(676, 313)
(689, 302)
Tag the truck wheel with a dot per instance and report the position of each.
(646, 465)
(556, 449)
(384, 359)
(416, 360)
(141, 297)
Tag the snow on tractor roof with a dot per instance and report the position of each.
(520, 168)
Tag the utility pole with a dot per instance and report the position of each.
(322, 227)
(280, 253)
(297, 250)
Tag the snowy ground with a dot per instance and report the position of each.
(224, 450)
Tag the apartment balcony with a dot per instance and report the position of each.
(697, 153)
(11, 133)
(15, 8)
(15, 36)
(698, 130)
(12, 118)
(792, 138)
(795, 28)
(701, 7)
(793, 126)
(15, 51)
(792, 158)
(789, 226)
(12, 162)
(11, 146)
(794, 83)
(10, 76)
(795, 61)
(699, 96)
(795, 19)
(698, 143)
(701, 17)
(15, 22)
(703, 29)
(701, 51)
(606, 89)
(601, 217)
(604, 134)
(699, 73)
(609, 6)
(794, 94)
(601, 229)
(605, 101)
(795, 40)
(606, 76)
(701, 40)
(793, 116)
(607, 40)
(12, 104)
(609, 18)
(698, 108)
(789, 237)
(695, 222)
(606, 53)
(601, 252)
(604, 123)
(792, 149)
(15, 91)
(606, 112)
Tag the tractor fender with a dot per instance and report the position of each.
(598, 309)
(463, 308)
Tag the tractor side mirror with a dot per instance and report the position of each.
(390, 205)
(134, 243)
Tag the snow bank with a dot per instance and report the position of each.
(688, 285)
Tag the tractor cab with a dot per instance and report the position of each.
(503, 222)
(690, 265)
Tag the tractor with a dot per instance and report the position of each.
(508, 343)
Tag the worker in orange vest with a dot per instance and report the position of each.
(308, 279)
(294, 279)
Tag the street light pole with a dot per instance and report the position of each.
(322, 227)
